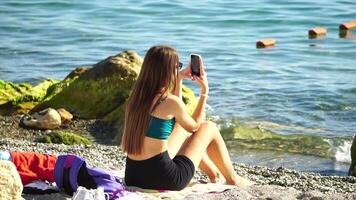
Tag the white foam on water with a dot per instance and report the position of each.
(343, 152)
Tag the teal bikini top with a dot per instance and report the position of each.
(160, 128)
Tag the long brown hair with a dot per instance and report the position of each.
(158, 75)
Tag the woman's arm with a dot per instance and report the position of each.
(192, 123)
(189, 123)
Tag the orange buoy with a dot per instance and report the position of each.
(317, 32)
(265, 43)
(348, 25)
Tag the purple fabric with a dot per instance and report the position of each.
(77, 163)
(62, 162)
(69, 161)
(103, 179)
(111, 184)
(58, 171)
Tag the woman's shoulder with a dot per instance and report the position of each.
(174, 102)
(173, 99)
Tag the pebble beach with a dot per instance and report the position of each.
(270, 183)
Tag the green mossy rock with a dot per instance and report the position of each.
(21, 98)
(97, 91)
(67, 138)
(242, 135)
(10, 91)
(100, 92)
(94, 92)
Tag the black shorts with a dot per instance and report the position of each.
(159, 172)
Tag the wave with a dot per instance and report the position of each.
(257, 136)
(343, 152)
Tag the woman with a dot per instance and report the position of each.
(164, 144)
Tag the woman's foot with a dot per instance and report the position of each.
(239, 181)
(214, 177)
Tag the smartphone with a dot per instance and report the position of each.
(195, 60)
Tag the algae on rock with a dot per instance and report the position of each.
(101, 91)
(97, 91)
(66, 138)
(21, 98)
(242, 135)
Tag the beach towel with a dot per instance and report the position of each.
(195, 187)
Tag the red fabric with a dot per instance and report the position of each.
(34, 166)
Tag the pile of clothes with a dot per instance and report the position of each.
(43, 174)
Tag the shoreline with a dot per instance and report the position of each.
(98, 132)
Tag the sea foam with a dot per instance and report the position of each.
(343, 152)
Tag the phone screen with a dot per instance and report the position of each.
(195, 64)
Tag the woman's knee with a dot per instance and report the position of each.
(210, 127)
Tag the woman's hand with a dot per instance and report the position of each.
(185, 73)
(202, 81)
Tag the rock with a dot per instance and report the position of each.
(45, 119)
(352, 170)
(9, 91)
(21, 98)
(75, 73)
(93, 92)
(10, 182)
(66, 117)
(100, 92)
(243, 135)
(97, 91)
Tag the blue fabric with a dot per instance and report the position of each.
(4, 155)
(160, 128)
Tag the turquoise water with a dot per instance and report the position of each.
(304, 86)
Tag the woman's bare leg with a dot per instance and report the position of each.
(210, 169)
(178, 137)
(208, 138)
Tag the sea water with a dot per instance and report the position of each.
(301, 86)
